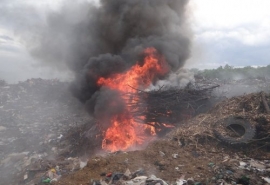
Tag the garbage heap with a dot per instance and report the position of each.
(34, 118)
(202, 151)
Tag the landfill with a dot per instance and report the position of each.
(34, 117)
(46, 138)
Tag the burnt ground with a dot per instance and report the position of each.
(42, 126)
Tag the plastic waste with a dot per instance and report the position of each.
(48, 180)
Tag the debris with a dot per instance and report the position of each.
(162, 154)
(244, 180)
(109, 174)
(36, 116)
(28, 111)
(60, 137)
(257, 165)
(181, 181)
(242, 164)
(241, 131)
(152, 180)
(139, 172)
(136, 181)
(190, 181)
(25, 176)
(83, 164)
(102, 183)
(266, 179)
(127, 173)
(168, 105)
(47, 180)
(197, 135)
(175, 156)
(116, 177)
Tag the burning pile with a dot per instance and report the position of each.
(130, 45)
(125, 130)
(115, 48)
(143, 114)
(170, 106)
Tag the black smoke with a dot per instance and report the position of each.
(99, 40)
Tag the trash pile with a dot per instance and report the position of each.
(196, 153)
(48, 171)
(46, 138)
(139, 177)
(245, 171)
(238, 173)
(173, 164)
(35, 116)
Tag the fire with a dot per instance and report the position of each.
(124, 131)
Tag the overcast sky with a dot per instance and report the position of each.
(234, 32)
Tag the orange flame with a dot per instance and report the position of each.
(124, 131)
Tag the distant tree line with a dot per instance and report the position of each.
(230, 73)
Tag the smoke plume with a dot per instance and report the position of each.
(100, 40)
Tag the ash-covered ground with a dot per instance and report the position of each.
(39, 122)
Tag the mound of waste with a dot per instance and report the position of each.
(47, 136)
(34, 117)
(198, 152)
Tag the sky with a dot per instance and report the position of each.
(234, 32)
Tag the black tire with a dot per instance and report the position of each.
(241, 125)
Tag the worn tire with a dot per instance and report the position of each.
(245, 125)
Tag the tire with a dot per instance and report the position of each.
(235, 125)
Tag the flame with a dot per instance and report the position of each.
(124, 130)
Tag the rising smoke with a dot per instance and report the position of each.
(97, 41)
